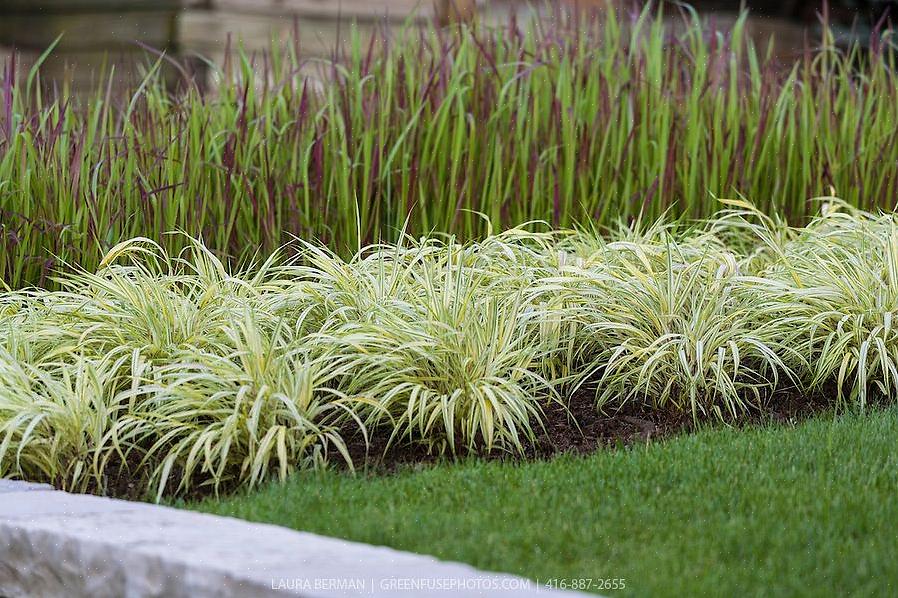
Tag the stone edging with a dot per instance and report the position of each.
(59, 544)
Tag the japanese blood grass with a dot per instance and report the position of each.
(571, 121)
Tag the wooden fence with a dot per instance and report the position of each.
(96, 34)
(100, 33)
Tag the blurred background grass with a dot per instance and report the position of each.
(312, 124)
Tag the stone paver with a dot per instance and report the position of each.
(16, 486)
(59, 544)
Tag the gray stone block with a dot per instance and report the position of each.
(16, 486)
(59, 544)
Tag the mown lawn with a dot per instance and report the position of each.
(805, 510)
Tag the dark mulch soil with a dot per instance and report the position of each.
(580, 428)
(576, 428)
(126, 480)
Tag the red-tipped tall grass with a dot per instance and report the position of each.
(565, 120)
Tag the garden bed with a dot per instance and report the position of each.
(573, 429)
(577, 428)
(172, 375)
(507, 251)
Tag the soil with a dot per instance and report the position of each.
(579, 428)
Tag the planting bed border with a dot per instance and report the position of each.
(59, 544)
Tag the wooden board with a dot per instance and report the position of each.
(81, 71)
(48, 7)
(329, 9)
(86, 31)
(207, 33)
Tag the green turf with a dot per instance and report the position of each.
(806, 510)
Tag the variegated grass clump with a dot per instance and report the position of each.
(837, 279)
(166, 366)
(54, 413)
(448, 359)
(178, 374)
(263, 409)
(668, 319)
